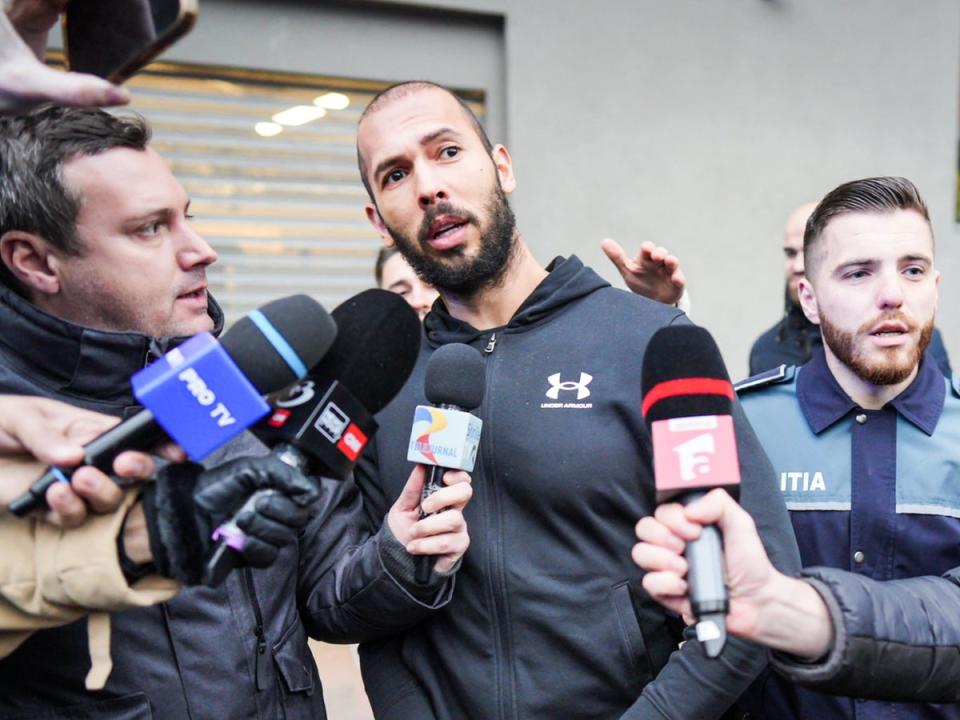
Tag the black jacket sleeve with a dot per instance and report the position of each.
(692, 685)
(897, 640)
(349, 588)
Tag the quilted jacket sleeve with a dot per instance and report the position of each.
(897, 640)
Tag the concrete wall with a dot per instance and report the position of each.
(695, 123)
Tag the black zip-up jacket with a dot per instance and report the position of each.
(896, 640)
(549, 619)
(233, 652)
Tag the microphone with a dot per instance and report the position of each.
(447, 436)
(321, 424)
(687, 399)
(327, 418)
(202, 393)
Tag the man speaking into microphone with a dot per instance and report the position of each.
(101, 274)
(549, 619)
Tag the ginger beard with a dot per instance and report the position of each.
(896, 363)
(451, 270)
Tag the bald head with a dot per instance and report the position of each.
(394, 93)
(793, 248)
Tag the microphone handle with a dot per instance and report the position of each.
(708, 592)
(424, 563)
(230, 539)
(139, 432)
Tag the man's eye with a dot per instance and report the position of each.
(856, 275)
(914, 271)
(394, 176)
(150, 228)
(450, 151)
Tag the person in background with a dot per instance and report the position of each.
(394, 273)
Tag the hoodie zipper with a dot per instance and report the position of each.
(503, 644)
(261, 659)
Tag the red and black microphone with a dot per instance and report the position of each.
(687, 399)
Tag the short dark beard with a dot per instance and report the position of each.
(844, 347)
(468, 277)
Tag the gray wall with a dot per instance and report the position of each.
(695, 123)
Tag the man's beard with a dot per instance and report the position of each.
(468, 277)
(889, 371)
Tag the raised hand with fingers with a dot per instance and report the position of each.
(653, 273)
(25, 81)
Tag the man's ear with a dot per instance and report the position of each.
(31, 261)
(504, 164)
(373, 215)
(808, 301)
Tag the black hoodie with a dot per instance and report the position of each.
(549, 619)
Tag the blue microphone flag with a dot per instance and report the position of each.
(199, 396)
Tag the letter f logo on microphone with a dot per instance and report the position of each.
(693, 456)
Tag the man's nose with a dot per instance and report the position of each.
(194, 250)
(890, 290)
(431, 188)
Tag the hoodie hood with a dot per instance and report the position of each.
(78, 360)
(568, 280)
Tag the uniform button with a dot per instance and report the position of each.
(861, 418)
(858, 556)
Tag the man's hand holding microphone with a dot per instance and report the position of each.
(766, 606)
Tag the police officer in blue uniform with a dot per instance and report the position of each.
(865, 437)
(793, 339)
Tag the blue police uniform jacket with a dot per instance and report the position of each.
(875, 492)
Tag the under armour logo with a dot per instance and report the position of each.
(581, 387)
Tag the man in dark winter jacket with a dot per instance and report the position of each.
(549, 619)
(101, 274)
(831, 630)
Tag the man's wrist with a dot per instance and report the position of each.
(134, 538)
(133, 546)
(793, 618)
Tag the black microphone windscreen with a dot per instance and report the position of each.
(305, 329)
(455, 376)
(378, 340)
(684, 375)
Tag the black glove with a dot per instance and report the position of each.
(187, 503)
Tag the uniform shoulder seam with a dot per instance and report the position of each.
(777, 375)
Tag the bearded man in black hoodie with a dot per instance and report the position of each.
(549, 619)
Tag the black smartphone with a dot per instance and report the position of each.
(116, 38)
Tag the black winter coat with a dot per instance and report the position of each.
(236, 651)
